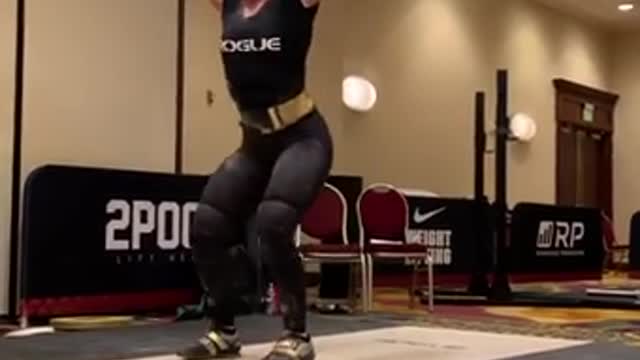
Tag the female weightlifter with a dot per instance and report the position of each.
(284, 158)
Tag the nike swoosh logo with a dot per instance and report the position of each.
(420, 218)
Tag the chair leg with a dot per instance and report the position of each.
(430, 282)
(414, 284)
(364, 282)
(355, 276)
(353, 284)
(370, 281)
(351, 294)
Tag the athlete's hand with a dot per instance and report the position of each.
(306, 3)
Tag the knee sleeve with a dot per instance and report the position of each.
(219, 254)
(275, 225)
(211, 232)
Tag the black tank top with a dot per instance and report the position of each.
(264, 56)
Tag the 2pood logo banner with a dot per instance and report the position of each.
(90, 231)
(96, 231)
(147, 232)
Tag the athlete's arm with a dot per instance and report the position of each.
(310, 3)
(217, 4)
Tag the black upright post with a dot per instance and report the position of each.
(16, 178)
(480, 146)
(178, 166)
(479, 284)
(500, 287)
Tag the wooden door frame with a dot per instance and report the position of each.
(572, 91)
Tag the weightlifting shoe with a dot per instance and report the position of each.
(292, 346)
(214, 345)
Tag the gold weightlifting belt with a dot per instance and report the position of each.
(279, 116)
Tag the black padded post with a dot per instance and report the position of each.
(500, 287)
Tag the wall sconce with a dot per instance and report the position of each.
(358, 93)
(522, 127)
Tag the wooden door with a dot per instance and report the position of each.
(584, 163)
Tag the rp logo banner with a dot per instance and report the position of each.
(559, 236)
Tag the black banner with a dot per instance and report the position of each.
(98, 231)
(91, 232)
(556, 239)
(452, 230)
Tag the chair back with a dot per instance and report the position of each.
(326, 218)
(383, 214)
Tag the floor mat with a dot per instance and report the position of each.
(374, 337)
(160, 339)
(417, 343)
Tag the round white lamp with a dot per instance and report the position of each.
(523, 127)
(358, 93)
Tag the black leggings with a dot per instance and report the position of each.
(274, 178)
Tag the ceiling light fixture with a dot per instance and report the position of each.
(626, 7)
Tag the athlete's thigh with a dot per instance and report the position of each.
(237, 185)
(299, 173)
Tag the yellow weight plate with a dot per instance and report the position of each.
(90, 322)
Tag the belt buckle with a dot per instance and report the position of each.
(276, 120)
(281, 115)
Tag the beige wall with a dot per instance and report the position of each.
(626, 82)
(7, 64)
(100, 83)
(429, 57)
(210, 133)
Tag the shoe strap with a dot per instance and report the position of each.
(289, 345)
(214, 343)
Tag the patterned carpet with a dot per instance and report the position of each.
(573, 323)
